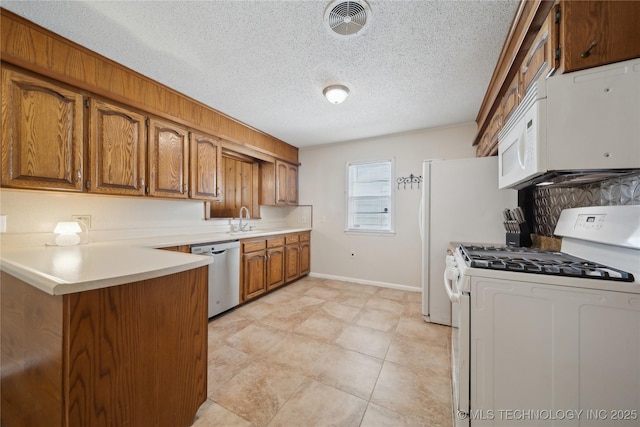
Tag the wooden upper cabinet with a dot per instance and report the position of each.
(279, 183)
(290, 194)
(595, 33)
(206, 168)
(511, 98)
(168, 159)
(240, 187)
(117, 150)
(541, 57)
(42, 134)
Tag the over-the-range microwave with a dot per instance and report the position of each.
(577, 127)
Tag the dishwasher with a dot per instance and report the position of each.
(224, 274)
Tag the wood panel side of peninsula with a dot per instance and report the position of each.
(134, 354)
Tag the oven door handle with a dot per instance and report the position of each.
(449, 275)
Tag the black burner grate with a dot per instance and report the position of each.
(539, 262)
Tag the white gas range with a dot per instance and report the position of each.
(551, 338)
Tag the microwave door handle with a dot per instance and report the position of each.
(448, 286)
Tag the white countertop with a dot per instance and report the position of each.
(62, 270)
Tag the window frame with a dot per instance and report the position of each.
(348, 214)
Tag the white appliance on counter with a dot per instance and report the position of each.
(224, 274)
(551, 338)
(450, 212)
(578, 127)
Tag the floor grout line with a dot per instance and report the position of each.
(311, 375)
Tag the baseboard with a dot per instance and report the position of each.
(366, 282)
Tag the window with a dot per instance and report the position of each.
(370, 196)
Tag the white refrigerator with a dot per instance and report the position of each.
(460, 202)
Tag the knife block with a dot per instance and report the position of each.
(520, 239)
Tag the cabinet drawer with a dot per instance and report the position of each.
(292, 238)
(305, 236)
(253, 245)
(275, 242)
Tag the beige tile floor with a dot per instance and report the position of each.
(328, 353)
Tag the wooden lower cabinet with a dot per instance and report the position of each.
(253, 274)
(305, 253)
(134, 354)
(292, 257)
(268, 263)
(275, 263)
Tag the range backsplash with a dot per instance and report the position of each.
(544, 204)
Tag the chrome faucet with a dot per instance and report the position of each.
(240, 226)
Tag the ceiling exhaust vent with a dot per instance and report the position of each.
(347, 18)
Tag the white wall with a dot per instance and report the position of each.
(32, 215)
(393, 261)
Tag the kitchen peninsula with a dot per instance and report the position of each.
(84, 345)
(106, 333)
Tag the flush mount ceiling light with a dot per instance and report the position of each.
(347, 18)
(336, 93)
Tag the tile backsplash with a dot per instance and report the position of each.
(544, 204)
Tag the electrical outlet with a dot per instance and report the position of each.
(83, 219)
(304, 219)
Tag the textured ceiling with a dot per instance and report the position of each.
(418, 64)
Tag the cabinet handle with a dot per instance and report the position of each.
(587, 52)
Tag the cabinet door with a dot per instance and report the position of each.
(205, 167)
(42, 134)
(281, 183)
(117, 150)
(305, 257)
(168, 160)
(253, 274)
(275, 267)
(598, 32)
(286, 183)
(540, 60)
(292, 185)
(511, 98)
(292, 262)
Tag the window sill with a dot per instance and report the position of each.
(370, 232)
